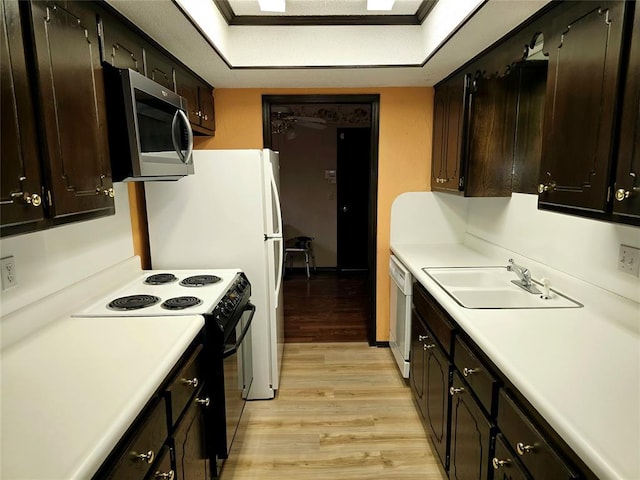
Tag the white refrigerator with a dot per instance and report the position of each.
(227, 215)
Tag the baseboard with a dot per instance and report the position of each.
(382, 344)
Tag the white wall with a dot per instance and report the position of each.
(53, 259)
(583, 248)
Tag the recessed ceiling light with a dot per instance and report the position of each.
(272, 5)
(380, 4)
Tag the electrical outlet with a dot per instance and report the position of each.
(629, 260)
(9, 277)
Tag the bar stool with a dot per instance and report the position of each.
(302, 245)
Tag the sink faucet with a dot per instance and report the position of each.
(524, 275)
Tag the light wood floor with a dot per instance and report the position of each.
(343, 412)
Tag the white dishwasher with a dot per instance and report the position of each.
(400, 313)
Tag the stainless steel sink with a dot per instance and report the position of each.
(492, 287)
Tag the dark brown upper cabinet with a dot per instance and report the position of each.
(490, 141)
(627, 184)
(199, 100)
(585, 57)
(450, 110)
(71, 101)
(120, 46)
(160, 68)
(21, 185)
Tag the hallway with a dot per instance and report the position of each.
(328, 307)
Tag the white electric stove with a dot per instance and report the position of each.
(165, 293)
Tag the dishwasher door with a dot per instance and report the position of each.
(400, 313)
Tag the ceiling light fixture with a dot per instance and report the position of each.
(272, 5)
(380, 4)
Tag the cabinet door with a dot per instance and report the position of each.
(450, 110)
(490, 147)
(470, 436)
(627, 186)
(582, 91)
(205, 94)
(192, 461)
(419, 336)
(20, 173)
(437, 371)
(159, 68)
(120, 46)
(73, 111)
(187, 87)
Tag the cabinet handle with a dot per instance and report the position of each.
(170, 475)
(454, 390)
(428, 347)
(545, 188)
(622, 194)
(29, 198)
(108, 192)
(206, 117)
(203, 401)
(499, 463)
(422, 337)
(192, 383)
(469, 371)
(521, 448)
(146, 457)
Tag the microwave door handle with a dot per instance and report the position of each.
(180, 116)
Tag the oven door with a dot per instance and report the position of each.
(238, 374)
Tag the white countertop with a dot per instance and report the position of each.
(71, 389)
(579, 367)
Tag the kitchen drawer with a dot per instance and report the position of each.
(540, 459)
(146, 441)
(434, 318)
(162, 468)
(505, 464)
(185, 384)
(482, 381)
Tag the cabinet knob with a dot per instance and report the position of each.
(206, 117)
(108, 192)
(146, 457)
(203, 401)
(497, 463)
(469, 371)
(194, 382)
(453, 390)
(422, 337)
(542, 188)
(170, 475)
(29, 198)
(521, 448)
(622, 194)
(199, 113)
(428, 347)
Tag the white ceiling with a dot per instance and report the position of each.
(325, 7)
(307, 56)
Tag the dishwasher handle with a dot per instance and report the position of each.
(400, 275)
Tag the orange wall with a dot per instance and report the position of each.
(404, 158)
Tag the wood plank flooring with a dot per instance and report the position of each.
(328, 307)
(342, 412)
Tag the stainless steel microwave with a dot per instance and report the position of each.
(150, 137)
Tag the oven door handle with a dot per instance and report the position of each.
(231, 351)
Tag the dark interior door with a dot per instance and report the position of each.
(353, 165)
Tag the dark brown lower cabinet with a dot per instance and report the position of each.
(504, 463)
(471, 435)
(191, 457)
(430, 377)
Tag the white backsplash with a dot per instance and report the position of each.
(52, 259)
(502, 227)
(583, 248)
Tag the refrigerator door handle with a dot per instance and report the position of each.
(280, 270)
(276, 195)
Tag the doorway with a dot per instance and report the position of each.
(352, 125)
